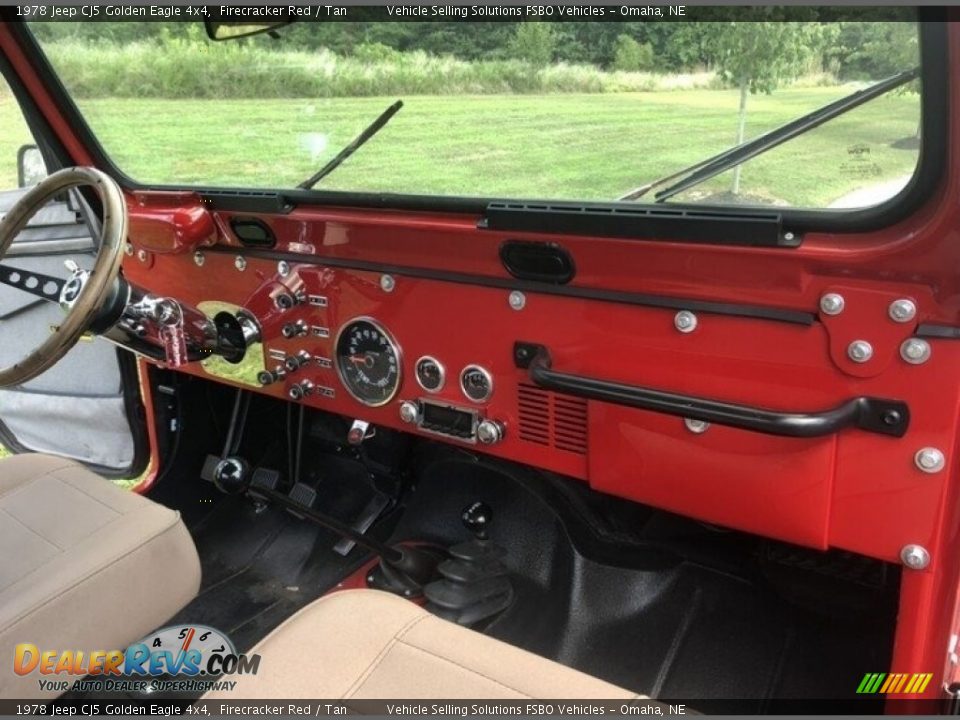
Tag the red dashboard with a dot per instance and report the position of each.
(451, 300)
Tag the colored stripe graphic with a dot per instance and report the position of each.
(894, 683)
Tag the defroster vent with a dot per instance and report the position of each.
(553, 420)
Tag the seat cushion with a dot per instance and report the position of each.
(370, 644)
(84, 565)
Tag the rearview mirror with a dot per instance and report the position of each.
(233, 29)
(31, 167)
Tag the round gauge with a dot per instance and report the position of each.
(476, 383)
(368, 362)
(430, 374)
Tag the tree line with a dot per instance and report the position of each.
(849, 50)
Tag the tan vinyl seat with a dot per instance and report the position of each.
(84, 565)
(370, 644)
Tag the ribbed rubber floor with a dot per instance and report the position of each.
(674, 609)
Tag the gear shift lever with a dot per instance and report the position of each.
(476, 516)
(474, 584)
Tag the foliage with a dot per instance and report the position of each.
(631, 56)
(762, 55)
(181, 69)
(861, 50)
(534, 42)
(864, 50)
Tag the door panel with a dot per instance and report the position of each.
(77, 408)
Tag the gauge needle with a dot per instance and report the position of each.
(367, 358)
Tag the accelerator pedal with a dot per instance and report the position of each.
(373, 509)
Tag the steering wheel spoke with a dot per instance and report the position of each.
(43, 286)
(84, 293)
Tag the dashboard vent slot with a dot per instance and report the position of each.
(553, 420)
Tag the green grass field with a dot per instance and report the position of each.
(563, 146)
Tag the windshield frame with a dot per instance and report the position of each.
(934, 63)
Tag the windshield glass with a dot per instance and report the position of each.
(567, 110)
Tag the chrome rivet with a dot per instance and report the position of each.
(685, 321)
(283, 268)
(240, 263)
(832, 304)
(387, 283)
(915, 557)
(198, 259)
(915, 351)
(860, 351)
(142, 255)
(696, 426)
(127, 248)
(788, 236)
(902, 310)
(929, 460)
(517, 300)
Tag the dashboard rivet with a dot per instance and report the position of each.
(240, 263)
(832, 304)
(902, 310)
(696, 426)
(142, 255)
(685, 321)
(128, 249)
(517, 300)
(915, 351)
(915, 557)
(283, 268)
(860, 351)
(929, 460)
(198, 259)
(387, 283)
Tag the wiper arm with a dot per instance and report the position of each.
(368, 132)
(731, 157)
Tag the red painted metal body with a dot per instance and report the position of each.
(857, 491)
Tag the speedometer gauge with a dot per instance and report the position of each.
(368, 362)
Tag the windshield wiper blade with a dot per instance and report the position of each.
(368, 132)
(731, 157)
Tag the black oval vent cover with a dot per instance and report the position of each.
(539, 261)
(253, 232)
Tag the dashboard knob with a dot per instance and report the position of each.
(300, 390)
(268, 377)
(295, 362)
(489, 432)
(285, 300)
(294, 329)
(409, 412)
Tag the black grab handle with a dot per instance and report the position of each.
(885, 417)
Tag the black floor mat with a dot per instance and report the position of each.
(259, 568)
(688, 614)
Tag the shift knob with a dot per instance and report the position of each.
(476, 516)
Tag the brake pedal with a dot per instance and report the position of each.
(303, 495)
(264, 479)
